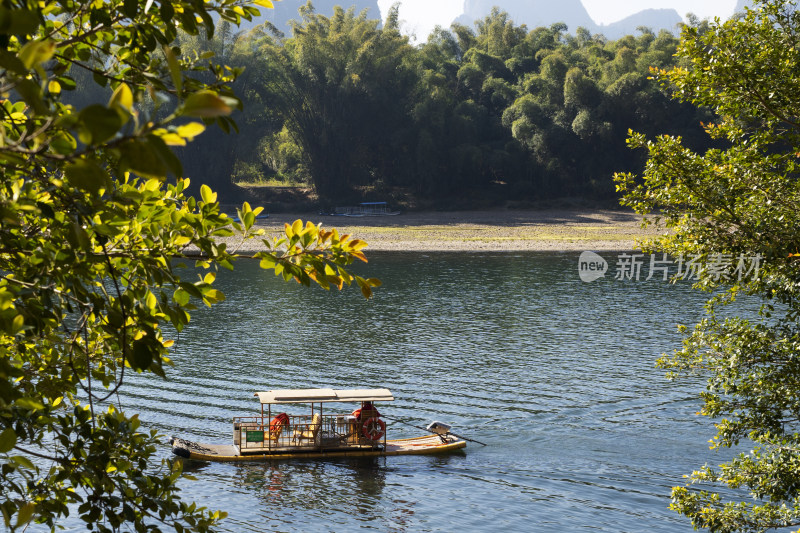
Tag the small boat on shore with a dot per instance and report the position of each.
(318, 433)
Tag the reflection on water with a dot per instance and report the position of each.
(554, 374)
(313, 485)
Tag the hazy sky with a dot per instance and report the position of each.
(420, 16)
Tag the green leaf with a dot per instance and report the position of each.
(23, 461)
(174, 68)
(181, 296)
(8, 439)
(31, 92)
(141, 355)
(207, 194)
(11, 62)
(149, 158)
(205, 104)
(99, 124)
(25, 513)
(37, 52)
(87, 175)
(63, 143)
(130, 8)
(19, 21)
(29, 404)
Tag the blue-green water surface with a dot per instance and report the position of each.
(556, 375)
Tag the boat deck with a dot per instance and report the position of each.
(428, 444)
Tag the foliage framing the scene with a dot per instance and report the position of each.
(725, 203)
(93, 214)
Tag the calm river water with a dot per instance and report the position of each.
(556, 375)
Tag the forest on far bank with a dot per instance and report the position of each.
(498, 114)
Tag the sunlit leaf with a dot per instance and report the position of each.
(205, 104)
(122, 97)
(37, 52)
(207, 194)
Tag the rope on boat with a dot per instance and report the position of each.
(426, 429)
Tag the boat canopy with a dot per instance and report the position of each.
(324, 395)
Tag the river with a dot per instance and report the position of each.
(554, 374)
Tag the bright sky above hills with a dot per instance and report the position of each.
(421, 16)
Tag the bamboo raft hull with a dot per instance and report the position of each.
(426, 445)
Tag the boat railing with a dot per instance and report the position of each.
(289, 432)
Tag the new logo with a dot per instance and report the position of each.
(591, 266)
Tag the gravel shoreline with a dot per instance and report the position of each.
(491, 230)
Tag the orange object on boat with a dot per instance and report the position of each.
(278, 423)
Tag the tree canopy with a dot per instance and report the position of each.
(722, 204)
(493, 113)
(94, 227)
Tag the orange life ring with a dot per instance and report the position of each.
(278, 423)
(374, 428)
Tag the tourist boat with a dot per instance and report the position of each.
(322, 431)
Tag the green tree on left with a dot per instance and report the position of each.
(92, 216)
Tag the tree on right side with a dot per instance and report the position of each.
(737, 207)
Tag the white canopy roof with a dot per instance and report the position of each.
(324, 395)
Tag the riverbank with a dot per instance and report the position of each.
(505, 230)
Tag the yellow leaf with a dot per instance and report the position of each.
(297, 226)
(357, 244)
(54, 87)
(169, 138)
(191, 130)
(122, 97)
(264, 3)
(18, 118)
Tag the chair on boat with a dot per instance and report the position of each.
(311, 433)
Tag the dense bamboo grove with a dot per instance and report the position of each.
(488, 114)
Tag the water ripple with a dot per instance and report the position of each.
(554, 374)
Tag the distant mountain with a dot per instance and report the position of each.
(535, 13)
(287, 10)
(655, 19)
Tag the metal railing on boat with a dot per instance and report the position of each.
(294, 433)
